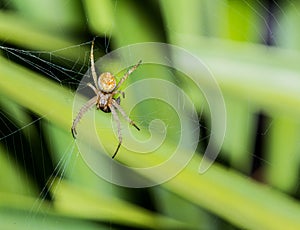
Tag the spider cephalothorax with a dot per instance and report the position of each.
(105, 88)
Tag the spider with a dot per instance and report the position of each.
(105, 89)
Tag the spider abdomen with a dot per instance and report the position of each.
(106, 109)
(107, 82)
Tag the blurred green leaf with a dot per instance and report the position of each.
(218, 190)
(283, 154)
(253, 78)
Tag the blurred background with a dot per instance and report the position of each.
(250, 47)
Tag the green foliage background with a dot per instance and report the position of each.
(251, 47)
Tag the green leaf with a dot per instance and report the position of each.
(224, 192)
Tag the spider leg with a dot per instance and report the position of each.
(81, 112)
(93, 88)
(116, 118)
(118, 99)
(93, 70)
(127, 74)
(118, 107)
(120, 92)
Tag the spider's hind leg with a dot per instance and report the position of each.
(74, 133)
(81, 112)
(118, 107)
(116, 118)
(113, 156)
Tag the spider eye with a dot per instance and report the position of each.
(107, 82)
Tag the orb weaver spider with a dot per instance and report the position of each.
(105, 89)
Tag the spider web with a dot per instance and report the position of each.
(23, 135)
